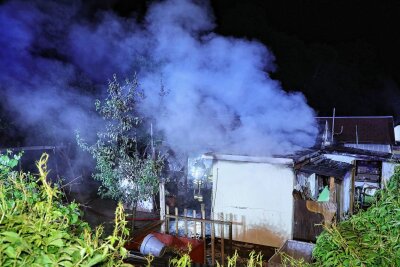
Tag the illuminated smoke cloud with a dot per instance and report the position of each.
(218, 95)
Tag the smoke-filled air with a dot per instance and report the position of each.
(203, 92)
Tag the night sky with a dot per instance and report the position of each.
(339, 54)
(342, 54)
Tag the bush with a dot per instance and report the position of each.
(38, 229)
(369, 238)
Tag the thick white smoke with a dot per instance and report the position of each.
(219, 95)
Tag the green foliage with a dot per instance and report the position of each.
(7, 163)
(126, 171)
(369, 238)
(254, 260)
(183, 260)
(289, 261)
(233, 259)
(38, 229)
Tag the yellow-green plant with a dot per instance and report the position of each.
(289, 261)
(232, 259)
(38, 229)
(255, 260)
(183, 260)
(149, 259)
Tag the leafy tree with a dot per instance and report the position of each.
(126, 170)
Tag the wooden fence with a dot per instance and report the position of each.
(202, 223)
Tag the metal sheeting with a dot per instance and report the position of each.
(327, 167)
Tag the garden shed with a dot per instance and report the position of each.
(256, 194)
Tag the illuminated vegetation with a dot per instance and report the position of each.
(38, 229)
(369, 238)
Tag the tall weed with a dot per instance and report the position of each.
(38, 229)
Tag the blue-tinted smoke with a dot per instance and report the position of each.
(219, 94)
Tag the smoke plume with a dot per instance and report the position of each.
(204, 92)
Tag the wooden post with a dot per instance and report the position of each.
(230, 236)
(167, 220)
(332, 196)
(176, 221)
(352, 183)
(162, 205)
(332, 190)
(186, 224)
(203, 224)
(212, 243)
(194, 223)
(203, 231)
(222, 241)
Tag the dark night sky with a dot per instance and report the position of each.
(342, 54)
(339, 54)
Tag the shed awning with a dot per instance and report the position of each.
(327, 167)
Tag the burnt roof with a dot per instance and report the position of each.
(370, 130)
(327, 167)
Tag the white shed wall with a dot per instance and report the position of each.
(258, 196)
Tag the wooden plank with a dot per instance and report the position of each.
(307, 225)
(222, 242)
(203, 231)
(167, 219)
(213, 243)
(195, 226)
(200, 220)
(339, 202)
(332, 190)
(203, 224)
(230, 235)
(353, 174)
(29, 148)
(176, 221)
(162, 204)
(185, 221)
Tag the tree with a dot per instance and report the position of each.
(126, 170)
